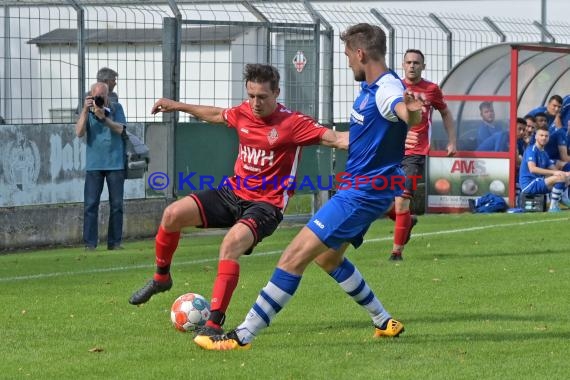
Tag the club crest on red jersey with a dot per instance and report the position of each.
(272, 136)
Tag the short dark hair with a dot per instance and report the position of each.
(558, 98)
(540, 114)
(259, 73)
(415, 51)
(106, 73)
(520, 120)
(485, 105)
(370, 38)
(530, 117)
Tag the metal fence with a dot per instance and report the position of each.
(194, 50)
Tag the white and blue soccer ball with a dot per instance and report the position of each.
(497, 187)
(189, 311)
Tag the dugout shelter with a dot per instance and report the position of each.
(516, 78)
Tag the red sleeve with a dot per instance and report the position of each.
(231, 115)
(306, 131)
(437, 99)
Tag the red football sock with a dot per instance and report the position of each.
(402, 227)
(224, 286)
(165, 244)
(392, 213)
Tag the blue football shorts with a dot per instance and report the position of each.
(347, 216)
(537, 186)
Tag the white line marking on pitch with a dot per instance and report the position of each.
(269, 253)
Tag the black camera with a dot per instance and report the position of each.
(99, 101)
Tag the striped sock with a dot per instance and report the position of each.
(272, 298)
(352, 282)
(565, 196)
(556, 194)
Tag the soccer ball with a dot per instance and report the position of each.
(189, 312)
(497, 187)
(442, 186)
(469, 187)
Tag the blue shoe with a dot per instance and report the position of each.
(554, 209)
(565, 202)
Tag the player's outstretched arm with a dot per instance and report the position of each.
(206, 113)
(335, 139)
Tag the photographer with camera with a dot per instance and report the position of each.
(109, 77)
(102, 122)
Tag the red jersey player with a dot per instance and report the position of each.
(415, 154)
(269, 151)
(251, 203)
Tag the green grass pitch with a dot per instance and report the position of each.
(481, 296)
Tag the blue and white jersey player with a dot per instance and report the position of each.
(373, 175)
(538, 173)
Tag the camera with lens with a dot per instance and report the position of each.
(99, 101)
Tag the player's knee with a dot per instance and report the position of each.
(171, 217)
(402, 204)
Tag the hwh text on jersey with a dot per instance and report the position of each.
(255, 156)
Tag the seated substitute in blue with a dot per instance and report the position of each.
(486, 127)
(538, 174)
(551, 111)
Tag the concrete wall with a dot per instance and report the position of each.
(62, 225)
(45, 164)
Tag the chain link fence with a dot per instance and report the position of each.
(195, 51)
(50, 52)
